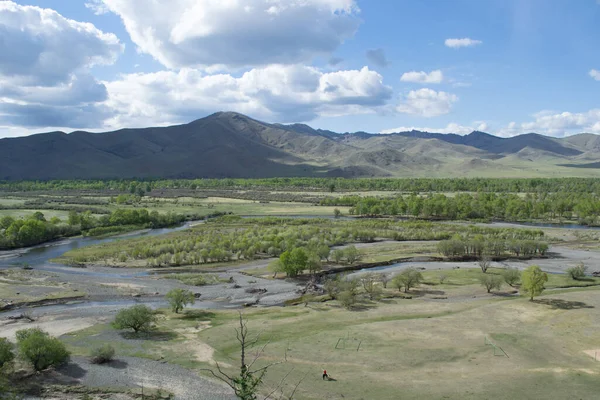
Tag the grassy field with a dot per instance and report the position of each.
(408, 348)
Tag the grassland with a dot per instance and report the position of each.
(409, 348)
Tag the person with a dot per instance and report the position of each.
(325, 374)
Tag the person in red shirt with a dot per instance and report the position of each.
(325, 374)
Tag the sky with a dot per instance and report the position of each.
(504, 67)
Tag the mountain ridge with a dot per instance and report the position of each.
(229, 144)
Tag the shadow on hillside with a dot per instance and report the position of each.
(197, 315)
(558, 304)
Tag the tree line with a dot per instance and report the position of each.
(35, 229)
(479, 206)
(492, 185)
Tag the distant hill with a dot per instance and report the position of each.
(228, 144)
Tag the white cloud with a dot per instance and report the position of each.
(427, 103)
(200, 33)
(97, 7)
(594, 73)
(41, 47)
(464, 42)
(277, 92)
(44, 68)
(423, 77)
(452, 127)
(565, 123)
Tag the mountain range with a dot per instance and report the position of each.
(228, 144)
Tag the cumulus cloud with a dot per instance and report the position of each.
(278, 92)
(44, 68)
(464, 42)
(565, 123)
(594, 73)
(41, 47)
(423, 77)
(200, 33)
(427, 103)
(377, 57)
(452, 127)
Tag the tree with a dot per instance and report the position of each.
(490, 282)
(323, 252)
(533, 280)
(6, 352)
(139, 318)
(247, 384)
(408, 278)
(484, 263)
(369, 283)
(347, 298)
(179, 298)
(338, 254)
(314, 263)
(294, 262)
(512, 276)
(337, 213)
(577, 272)
(384, 278)
(332, 286)
(40, 349)
(351, 254)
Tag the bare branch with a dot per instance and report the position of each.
(279, 385)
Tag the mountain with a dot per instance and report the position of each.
(228, 144)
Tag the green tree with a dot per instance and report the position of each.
(337, 213)
(407, 279)
(293, 261)
(180, 298)
(338, 255)
(533, 280)
(512, 276)
(369, 282)
(577, 272)
(351, 254)
(139, 318)
(6, 352)
(40, 349)
(323, 252)
(490, 282)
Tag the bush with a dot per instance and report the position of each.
(40, 349)
(491, 282)
(512, 276)
(139, 318)
(577, 272)
(6, 352)
(408, 278)
(102, 354)
(347, 298)
(179, 298)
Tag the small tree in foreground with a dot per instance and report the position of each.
(139, 318)
(490, 282)
(6, 352)
(40, 349)
(102, 354)
(407, 279)
(180, 298)
(512, 276)
(246, 385)
(484, 263)
(533, 280)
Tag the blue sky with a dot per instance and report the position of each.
(503, 66)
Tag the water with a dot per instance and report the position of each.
(39, 257)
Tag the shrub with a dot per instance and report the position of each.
(102, 354)
(512, 276)
(40, 349)
(577, 272)
(179, 298)
(139, 318)
(408, 278)
(490, 282)
(347, 298)
(6, 352)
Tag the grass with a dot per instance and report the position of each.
(63, 215)
(386, 251)
(416, 348)
(194, 279)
